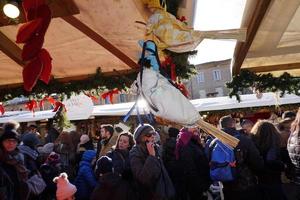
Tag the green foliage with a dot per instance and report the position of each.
(263, 83)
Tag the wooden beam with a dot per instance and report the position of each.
(59, 8)
(242, 48)
(100, 40)
(78, 77)
(9, 48)
(270, 68)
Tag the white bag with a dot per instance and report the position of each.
(170, 102)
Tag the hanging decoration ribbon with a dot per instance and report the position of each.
(94, 98)
(31, 105)
(110, 94)
(169, 65)
(58, 106)
(182, 89)
(2, 110)
(47, 98)
(32, 33)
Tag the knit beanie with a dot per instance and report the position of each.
(31, 140)
(64, 188)
(104, 165)
(142, 129)
(9, 134)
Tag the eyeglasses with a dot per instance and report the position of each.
(149, 134)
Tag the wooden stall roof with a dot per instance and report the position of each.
(83, 35)
(273, 42)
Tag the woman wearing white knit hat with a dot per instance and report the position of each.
(65, 190)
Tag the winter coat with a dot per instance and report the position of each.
(294, 152)
(13, 177)
(49, 172)
(121, 164)
(194, 171)
(249, 162)
(30, 158)
(111, 186)
(169, 159)
(105, 145)
(149, 173)
(85, 181)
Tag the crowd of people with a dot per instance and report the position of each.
(67, 165)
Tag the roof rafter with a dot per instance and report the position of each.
(243, 47)
(271, 68)
(9, 48)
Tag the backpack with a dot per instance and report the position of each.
(222, 161)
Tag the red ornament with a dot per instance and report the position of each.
(110, 94)
(31, 105)
(168, 62)
(32, 33)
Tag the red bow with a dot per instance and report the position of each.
(182, 19)
(110, 94)
(59, 105)
(31, 105)
(169, 62)
(47, 98)
(32, 33)
(182, 89)
(2, 110)
(94, 98)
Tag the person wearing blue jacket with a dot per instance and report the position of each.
(86, 181)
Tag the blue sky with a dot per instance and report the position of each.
(214, 15)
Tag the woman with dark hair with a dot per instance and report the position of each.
(120, 156)
(294, 153)
(13, 173)
(268, 140)
(114, 173)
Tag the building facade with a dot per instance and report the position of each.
(210, 80)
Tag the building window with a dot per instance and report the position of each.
(202, 93)
(217, 75)
(220, 92)
(200, 77)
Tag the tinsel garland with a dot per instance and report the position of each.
(263, 83)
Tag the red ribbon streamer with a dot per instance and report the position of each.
(31, 105)
(168, 62)
(47, 98)
(182, 89)
(110, 94)
(94, 98)
(58, 105)
(32, 33)
(2, 110)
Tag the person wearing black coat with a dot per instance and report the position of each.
(148, 170)
(249, 163)
(13, 173)
(268, 140)
(194, 178)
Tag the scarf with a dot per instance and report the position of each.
(184, 138)
(14, 159)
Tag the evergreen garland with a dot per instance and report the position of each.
(263, 83)
(98, 83)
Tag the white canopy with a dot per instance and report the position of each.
(217, 103)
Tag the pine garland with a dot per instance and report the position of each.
(263, 83)
(98, 83)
